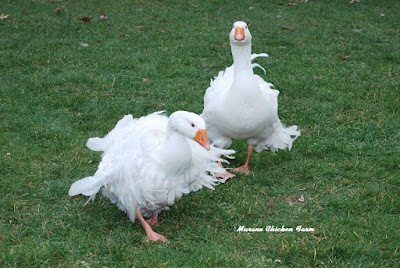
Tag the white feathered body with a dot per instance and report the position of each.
(143, 169)
(242, 106)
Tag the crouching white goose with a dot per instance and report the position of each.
(242, 106)
(150, 162)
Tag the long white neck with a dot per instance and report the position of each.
(241, 60)
(244, 84)
(176, 152)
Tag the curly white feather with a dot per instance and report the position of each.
(135, 172)
(265, 132)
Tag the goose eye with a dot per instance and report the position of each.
(192, 125)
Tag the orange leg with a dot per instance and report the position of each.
(151, 235)
(226, 175)
(245, 167)
(153, 220)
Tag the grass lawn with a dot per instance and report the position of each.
(63, 80)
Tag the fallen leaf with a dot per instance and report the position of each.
(2, 16)
(104, 17)
(289, 200)
(317, 76)
(344, 57)
(60, 8)
(86, 19)
(292, 4)
(84, 45)
(160, 105)
(146, 80)
(382, 15)
(354, 1)
(294, 199)
(341, 37)
(139, 27)
(285, 28)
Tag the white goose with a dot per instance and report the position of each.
(150, 162)
(242, 106)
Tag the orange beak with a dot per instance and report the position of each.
(239, 34)
(201, 138)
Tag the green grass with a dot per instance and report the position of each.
(56, 94)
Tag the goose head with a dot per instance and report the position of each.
(191, 126)
(240, 34)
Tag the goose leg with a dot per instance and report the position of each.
(153, 220)
(226, 175)
(245, 167)
(151, 235)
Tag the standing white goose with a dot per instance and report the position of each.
(242, 106)
(150, 162)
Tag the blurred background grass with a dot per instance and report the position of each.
(336, 65)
